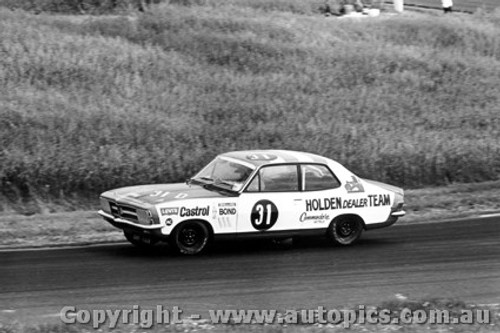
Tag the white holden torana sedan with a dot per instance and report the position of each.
(265, 193)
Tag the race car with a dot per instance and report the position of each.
(278, 194)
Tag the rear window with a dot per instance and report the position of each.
(317, 177)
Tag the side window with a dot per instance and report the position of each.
(317, 177)
(279, 178)
(275, 178)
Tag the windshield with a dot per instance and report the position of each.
(224, 172)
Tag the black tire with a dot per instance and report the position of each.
(140, 241)
(190, 237)
(345, 230)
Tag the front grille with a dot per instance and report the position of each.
(139, 216)
(124, 212)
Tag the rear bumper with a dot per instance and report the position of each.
(390, 221)
(399, 213)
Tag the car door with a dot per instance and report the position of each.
(272, 200)
(321, 196)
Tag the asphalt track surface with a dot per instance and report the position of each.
(459, 259)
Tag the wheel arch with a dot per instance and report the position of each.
(205, 222)
(350, 215)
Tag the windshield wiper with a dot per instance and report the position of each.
(219, 181)
(206, 178)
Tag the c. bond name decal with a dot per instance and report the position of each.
(226, 208)
(372, 200)
(196, 211)
(227, 211)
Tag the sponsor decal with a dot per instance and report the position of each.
(227, 204)
(323, 204)
(196, 211)
(379, 200)
(227, 211)
(316, 218)
(261, 157)
(372, 200)
(354, 186)
(264, 215)
(169, 211)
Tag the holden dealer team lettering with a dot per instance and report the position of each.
(372, 200)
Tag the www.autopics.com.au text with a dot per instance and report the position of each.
(146, 318)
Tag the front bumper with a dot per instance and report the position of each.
(150, 231)
(119, 221)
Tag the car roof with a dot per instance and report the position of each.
(264, 157)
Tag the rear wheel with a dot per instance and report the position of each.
(191, 237)
(140, 241)
(345, 230)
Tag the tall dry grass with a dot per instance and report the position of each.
(89, 104)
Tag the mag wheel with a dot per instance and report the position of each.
(190, 237)
(140, 241)
(345, 230)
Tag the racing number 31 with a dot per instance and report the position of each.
(264, 215)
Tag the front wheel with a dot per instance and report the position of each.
(190, 237)
(345, 230)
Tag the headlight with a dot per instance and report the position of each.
(105, 205)
(144, 217)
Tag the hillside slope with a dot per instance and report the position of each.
(91, 103)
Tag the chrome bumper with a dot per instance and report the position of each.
(118, 220)
(399, 213)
